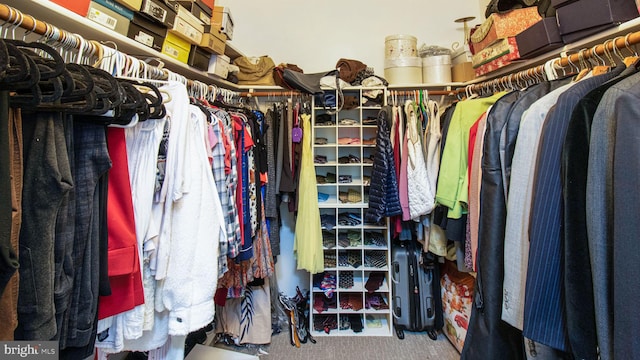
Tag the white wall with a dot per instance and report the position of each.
(315, 34)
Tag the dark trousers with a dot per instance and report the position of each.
(91, 163)
(47, 178)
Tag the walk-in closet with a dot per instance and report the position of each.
(231, 179)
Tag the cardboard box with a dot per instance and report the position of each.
(222, 19)
(462, 72)
(80, 7)
(190, 18)
(219, 65)
(108, 18)
(586, 17)
(112, 5)
(147, 32)
(176, 47)
(500, 26)
(540, 38)
(199, 58)
(215, 43)
(199, 9)
(157, 10)
(187, 27)
(131, 4)
(506, 47)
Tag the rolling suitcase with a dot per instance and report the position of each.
(417, 305)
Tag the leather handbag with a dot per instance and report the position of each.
(307, 83)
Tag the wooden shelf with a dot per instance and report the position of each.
(65, 19)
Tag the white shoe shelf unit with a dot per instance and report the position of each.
(355, 252)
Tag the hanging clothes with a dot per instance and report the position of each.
(600, 219)
(488, 336)
(11, 175)
(420, 200)
(308, 234)
(545, 273)
(383, 193)
(516, 240)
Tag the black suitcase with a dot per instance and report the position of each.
(416, 291)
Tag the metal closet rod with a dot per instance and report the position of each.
(608, 47)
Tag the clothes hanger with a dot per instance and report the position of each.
(629, 60)
(599, 69)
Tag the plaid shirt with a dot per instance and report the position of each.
(218, 154)
(230, 184)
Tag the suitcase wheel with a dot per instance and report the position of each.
(433, 335)
(399, 333)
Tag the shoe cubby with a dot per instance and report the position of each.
(344, 147)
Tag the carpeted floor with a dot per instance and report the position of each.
(416, 346)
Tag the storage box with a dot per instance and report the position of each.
(219, 65)
(157, 10)
(436, 69)
(222, 19)
(209, 3)
(199, 58)
(494, 65)
(198, 9)
(176, 47)
(462, 72)
(131, 4)
(108, 18)
(407, 70)
(540, 38)
(505, 48)
(147, 32)
(214, 42)
(80, 7)
(461, 54)
(112, 5)
(187, 27)
(499, 26)
(586, 17)
(457, 290)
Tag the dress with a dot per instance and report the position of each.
(308, 234)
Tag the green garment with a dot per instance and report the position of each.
(453, 182)
(308, 234)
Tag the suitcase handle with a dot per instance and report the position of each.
(396, 300)
(396, 269)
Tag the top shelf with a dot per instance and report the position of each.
(65, 19)
(588, 42)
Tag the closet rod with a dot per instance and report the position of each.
(608, 46)
(428, 92)
(12, 16)
(296, 93)
(271, 94)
